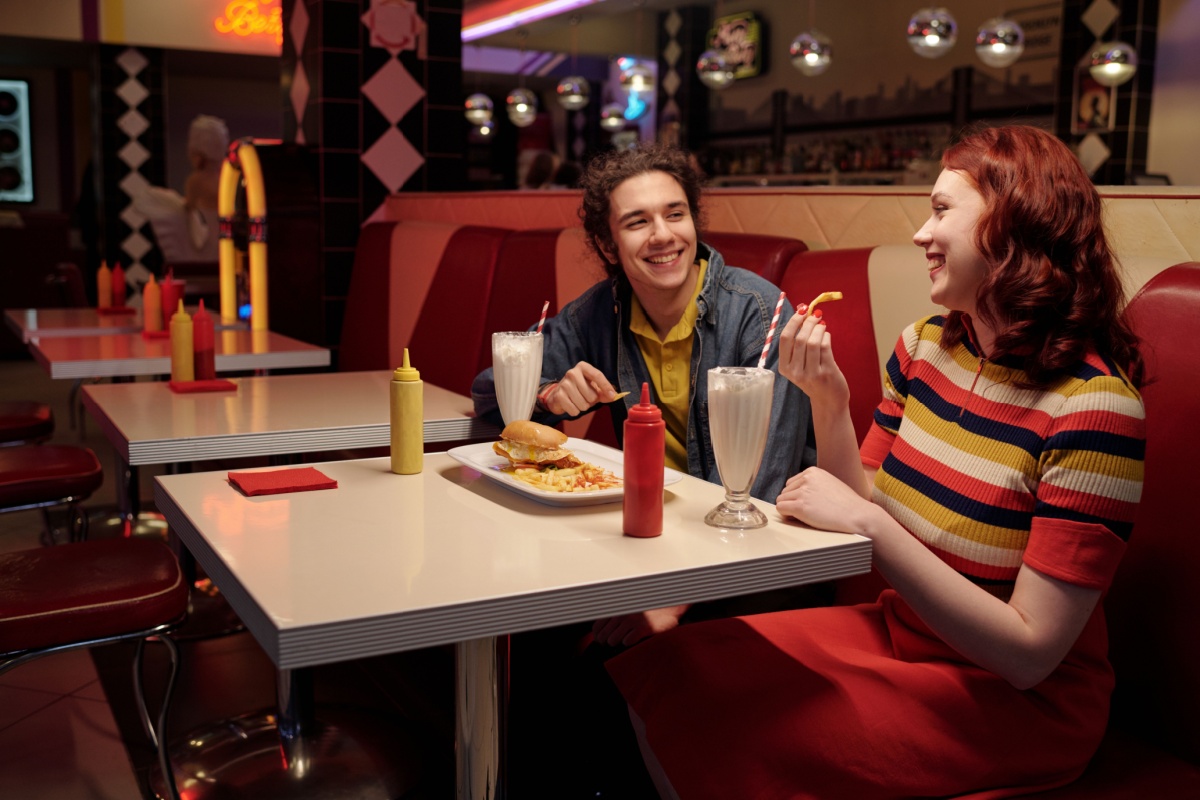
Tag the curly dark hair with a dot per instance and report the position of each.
(1052, 286)
(606, 172)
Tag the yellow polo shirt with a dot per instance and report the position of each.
(670, 365)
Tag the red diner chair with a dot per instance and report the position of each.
(25, 422)
(44, 476)
(87, 594)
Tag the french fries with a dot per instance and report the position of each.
(821, 298)
(584, 478)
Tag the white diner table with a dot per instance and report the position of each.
(386, 563)
(268, 415)
(31, 323)
(130, 355)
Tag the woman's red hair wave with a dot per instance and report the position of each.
(1053, 287)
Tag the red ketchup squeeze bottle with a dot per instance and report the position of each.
(203, 336)
(645, 449)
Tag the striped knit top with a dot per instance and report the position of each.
(989, 475)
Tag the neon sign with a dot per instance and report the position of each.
(249, 18)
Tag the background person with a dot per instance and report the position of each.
(998, 485)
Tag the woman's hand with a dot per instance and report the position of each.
(581, 388)
(806, 359)
(629, 629)
(818, 499)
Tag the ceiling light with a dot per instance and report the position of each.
(1113, 63)
(522, 107)
(932, 32)
(477, 25)
(811, 53)
(999, 42)
(573, 92)
(478, 109)
(714, 70)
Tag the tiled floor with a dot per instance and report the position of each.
(68, 729)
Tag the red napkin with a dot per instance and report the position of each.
(156, 334)
(115, 310)
(302, 479)
(214, 385)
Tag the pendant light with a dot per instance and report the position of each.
(521, 103)
(612, 117)
(712, 68)
(932, 32)
(999, 42)
(1113, 63)
(811, 50)
(479, 109)
(573, 91)
(636, 77)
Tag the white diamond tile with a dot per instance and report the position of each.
(672, 52)
(392, 159)
(134, 184)
(136, 245)
(133, 153)
(670, 83)
(132, 92)
(132, 123)
(300, 135)
(393, 91)
(1100, 16)
(132, 217)
(136, 276)
(1093, 152)
(299, 27)
(132, 61)
(299, 93)
(671, 110)
(673, 23)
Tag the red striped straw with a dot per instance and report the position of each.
(542, 321)
(762, 360)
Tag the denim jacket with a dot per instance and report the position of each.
(735, 309)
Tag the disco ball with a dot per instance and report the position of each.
(479, 108)
(714, 70)
(573, 92)
(637, 79)
(811, 53)
(1113, 63)
(932, 32)
(522, 107)
(999, 42)
(612, 117)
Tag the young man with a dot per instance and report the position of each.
(670, 310)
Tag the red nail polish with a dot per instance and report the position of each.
(820, 312)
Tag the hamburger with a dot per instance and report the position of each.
(531, 445)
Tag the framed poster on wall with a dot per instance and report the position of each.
(741, 38)
(1093, 106)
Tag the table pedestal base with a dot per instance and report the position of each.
(241, 759)
(481, 716)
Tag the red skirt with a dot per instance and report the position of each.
(856, 702)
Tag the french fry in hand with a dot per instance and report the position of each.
(821, 298)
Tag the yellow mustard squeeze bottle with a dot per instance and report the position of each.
(407, 417)
(182, 358)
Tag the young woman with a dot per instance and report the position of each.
(998, 486)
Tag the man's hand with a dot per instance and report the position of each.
(630, 629)
(581, 388)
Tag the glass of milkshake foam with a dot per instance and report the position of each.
(739, 416)
(517, 369)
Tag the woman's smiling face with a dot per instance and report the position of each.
(956, 267)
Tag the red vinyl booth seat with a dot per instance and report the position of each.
(42, 473)
(763, 254)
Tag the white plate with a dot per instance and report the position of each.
(481, 457)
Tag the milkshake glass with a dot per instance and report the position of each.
(517, 370)
(739, 416)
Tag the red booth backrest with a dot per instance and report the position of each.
(762, 254)
(1155, 637)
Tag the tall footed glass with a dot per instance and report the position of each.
(517, 371)
(739, 418)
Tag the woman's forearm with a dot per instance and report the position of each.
(837, 447)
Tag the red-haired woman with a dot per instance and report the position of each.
(998, 485)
